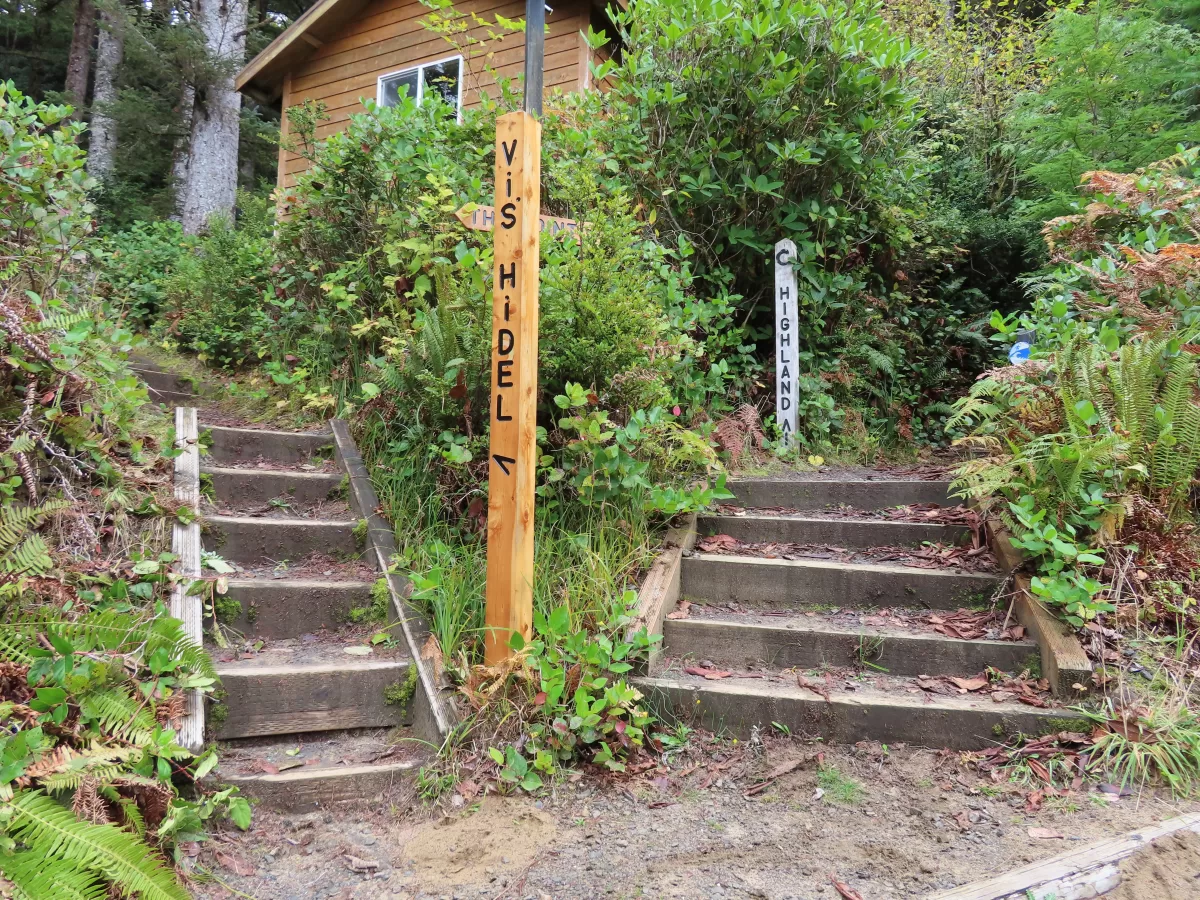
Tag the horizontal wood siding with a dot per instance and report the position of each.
(390, 36)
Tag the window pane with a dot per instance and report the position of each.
(396, 86)
(443, 78)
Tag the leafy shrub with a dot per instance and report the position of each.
(91, 678)
(136, 264)
(1120, 92)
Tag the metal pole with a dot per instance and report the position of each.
(535, 48)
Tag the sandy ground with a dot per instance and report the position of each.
(704, 827)
(1169, 869)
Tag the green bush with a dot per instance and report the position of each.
(136, 263)
(1120, 92)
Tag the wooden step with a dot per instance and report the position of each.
(788, 584)
(233, 445)
(248, 486)
(867, 494)
(160, 381)
(244, 539)
(736, 705)
(274, 698)
(852, 533)
(740, 641)
(287, 608)
(312, 771)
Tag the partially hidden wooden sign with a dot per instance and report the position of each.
(513, 450)
(786, 387)
(483, 218)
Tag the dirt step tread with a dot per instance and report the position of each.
(298, 772)
(739, 704)
(863, 491)
(858, 533)
(788, 584)
(740, 640)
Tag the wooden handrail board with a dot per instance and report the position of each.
(1083, 872)
(185, 544)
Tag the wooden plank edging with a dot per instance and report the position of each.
(1064, 662)
(1087, 871)
(660, 590)
(185, 544)
(434, 715)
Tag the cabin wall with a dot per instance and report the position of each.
(389, 36)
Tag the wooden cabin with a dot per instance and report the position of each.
(343, 51)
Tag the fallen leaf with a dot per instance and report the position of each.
(1046, 834)
(710, 674)
(681, 612)
(963, 820)
(469, 790)
(235, 864)
(971, 684)
(268, 768)
(847, 892)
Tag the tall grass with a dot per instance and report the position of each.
(585, 558)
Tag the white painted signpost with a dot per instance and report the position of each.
(786, 389)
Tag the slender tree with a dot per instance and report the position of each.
(79, 58)
(110, 48)
(211, 184)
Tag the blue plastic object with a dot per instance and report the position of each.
(1019, 353)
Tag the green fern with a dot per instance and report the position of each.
(51, 831)
(36, 878)
(21, 551)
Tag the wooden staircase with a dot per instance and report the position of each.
(801, 619)
(312, 713)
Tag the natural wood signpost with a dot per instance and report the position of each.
(786, 388)
(513, 450)
(483, 218)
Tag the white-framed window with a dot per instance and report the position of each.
(444, 77)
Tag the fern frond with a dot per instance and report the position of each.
(53, 832)
(17, 520)
(35, 877)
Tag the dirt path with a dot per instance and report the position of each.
(893, 826)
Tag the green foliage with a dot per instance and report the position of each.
(582, 709)
(1120, 92)
(87, 855)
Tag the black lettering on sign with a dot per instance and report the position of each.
(785, 402)
(786, 427)
(783, 323)
(509, 152)
(783, 256)
(506, 309)
(508, 217)
(785, 292)
(510, 276)
(489, 218)
(503, 372)
(501, 460)
(502, 335)
(500, 416)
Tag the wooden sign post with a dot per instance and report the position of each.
(786, 388)
(513, 449)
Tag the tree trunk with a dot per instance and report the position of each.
(79, 59)
(179, 160)
(216, 115)
(110, 48)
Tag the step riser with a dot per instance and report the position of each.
(784, 586)
(276, 540)
(294, 701)
(728, 644)
(846, 721)
(868, 495)
(834, 532)
(167, 382)
(288, 609)
(322, 788)
(233, 445)
(172, 398)
(249, 486)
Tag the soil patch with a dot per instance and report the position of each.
(1169, 869)
(721, 820)
(314, 566)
